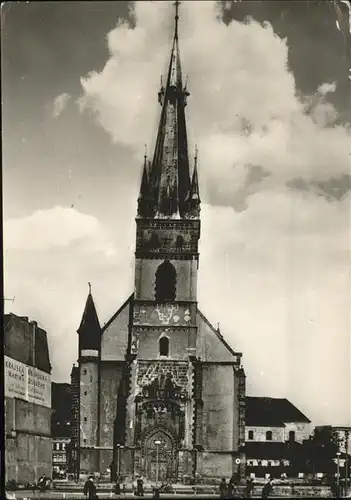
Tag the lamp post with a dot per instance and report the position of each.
(157, 444)
(119, 447)
(338, 472)
(346, 459)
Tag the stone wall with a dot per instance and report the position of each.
(88, 403)
(89, 460)
(218, 395)
(214, 465)
(145, 276)
(26, 342)
(181, 339)
(110, 377)
(302, 430)
(259, 433)
(28, 448)
(211, 346)
(114, 340)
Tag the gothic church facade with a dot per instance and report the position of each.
(157, 386)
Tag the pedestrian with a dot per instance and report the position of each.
(90, 488)
(249, 487)
(223, 488)
(334, 488)
(232, 489)
(140, 487)
(43, 483)
(267, 489)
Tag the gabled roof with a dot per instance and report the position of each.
(106, 325)
(217, 333)
(272, 412)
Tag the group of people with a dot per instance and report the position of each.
(231, 490)
(43, 482)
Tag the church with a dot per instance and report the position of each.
(159, 392)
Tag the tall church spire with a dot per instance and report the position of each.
(166, 188)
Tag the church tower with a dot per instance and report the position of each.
(164, 330)
(162, 394)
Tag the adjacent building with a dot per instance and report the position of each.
(158, 386)
(274, 429)
(61, 428)
(27, 374)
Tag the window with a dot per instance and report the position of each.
(292, 436)
(269, 436)
(251, 434)
(166, 279)
(85, 371)
(179, 241)
(84, 441)
(85, 393)
(164, 346)
(85, 419)
(154, 241)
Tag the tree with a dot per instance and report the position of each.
(320, 451)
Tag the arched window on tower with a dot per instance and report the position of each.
(166, 280)
(163, 344)
(269, 436)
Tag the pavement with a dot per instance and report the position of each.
(53, 495)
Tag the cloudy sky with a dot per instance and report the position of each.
(270, 113)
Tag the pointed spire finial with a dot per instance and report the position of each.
(196, 153)
(145, 152)
(176, 4)
(218, 330)
(89, 285)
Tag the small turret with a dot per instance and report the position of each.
(89, 330)
(195, 191)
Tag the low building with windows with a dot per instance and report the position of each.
(273, 428)
(60, 428)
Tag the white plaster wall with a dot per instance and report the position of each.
(260, 433)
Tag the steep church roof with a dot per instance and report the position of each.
(166, 189)
(89, 330)
(272, 412)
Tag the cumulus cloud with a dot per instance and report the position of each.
(244, 110)
(49, 258)
(60, 103)
(57, 227)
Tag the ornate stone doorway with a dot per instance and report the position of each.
(159, 461)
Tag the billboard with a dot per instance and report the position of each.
(26, 382)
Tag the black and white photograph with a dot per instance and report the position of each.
(176, 183)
